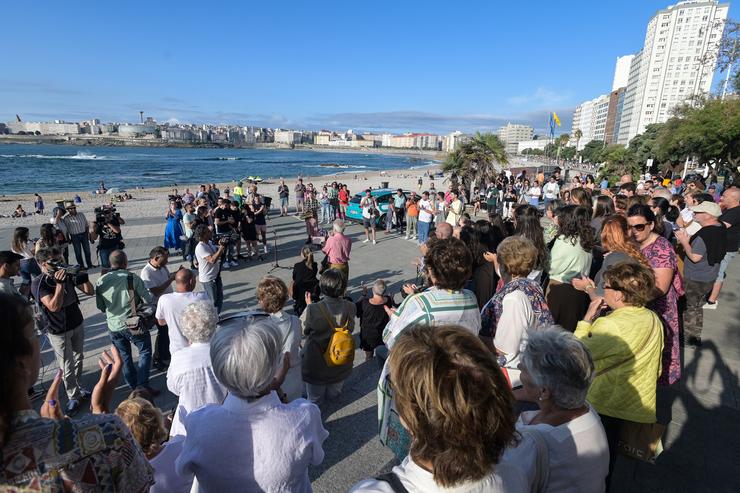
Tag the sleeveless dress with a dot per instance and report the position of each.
(661, 255)
(173, 230)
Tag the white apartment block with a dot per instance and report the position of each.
(512, 133)
(532, 144)
(668, 69)
(452, 140)
(287, 137)
(622, 71)
(590, 118)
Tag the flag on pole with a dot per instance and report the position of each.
(551, 122)
(555, 118)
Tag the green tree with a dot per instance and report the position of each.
(477, 160)
(592, 150)
(577, 135)
(617, 162)
(568, 152)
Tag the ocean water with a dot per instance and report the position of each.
(43, 168)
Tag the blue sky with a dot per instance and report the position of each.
(397, 66)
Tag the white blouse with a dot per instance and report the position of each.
(261, 445)
(191, 377)
(578, 453)
(504, 478)
(290, 332)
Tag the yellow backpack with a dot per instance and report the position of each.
(341, 348)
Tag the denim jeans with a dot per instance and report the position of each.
(423, 228)
(215, 291)
(80, 243)
(319, 394)
(325, 213)
(122, 340)
(104, 255)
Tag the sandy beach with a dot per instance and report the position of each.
(152, 202)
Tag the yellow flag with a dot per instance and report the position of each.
(555, 117)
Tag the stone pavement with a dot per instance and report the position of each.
(701, 450)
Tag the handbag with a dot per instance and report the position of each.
(641, 441)
(142, 316)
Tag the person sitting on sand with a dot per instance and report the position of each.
(19, 212)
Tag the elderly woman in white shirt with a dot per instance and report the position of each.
(252, 442)
(272, 293)
(565, 436)
(190, 375)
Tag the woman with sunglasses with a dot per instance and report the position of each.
(669, 285)
(626, 348)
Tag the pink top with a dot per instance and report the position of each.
(337, 248)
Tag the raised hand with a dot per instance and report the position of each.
(110, 370)
(51, 408)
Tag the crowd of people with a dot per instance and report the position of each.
(531, 339)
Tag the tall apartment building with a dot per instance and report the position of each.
(512, 133)
(590, 118)
(622, 71)
(668, 69)
(452, 140)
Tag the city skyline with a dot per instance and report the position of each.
(387, 67)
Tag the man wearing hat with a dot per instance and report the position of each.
(78, 230)
(10, 265)
(703, 255)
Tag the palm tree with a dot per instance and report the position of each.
(577, 134)
(562, 142)
(477, 160)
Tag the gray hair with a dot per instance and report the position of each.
(558, 361)
(245, 356)
(379, 287)
(198, 321)
(338, 226)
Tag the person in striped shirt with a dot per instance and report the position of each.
(78, 230)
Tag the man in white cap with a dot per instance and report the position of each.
(703, 255)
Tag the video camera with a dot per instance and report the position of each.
(73, 271)
(223, 238)
(105, 214)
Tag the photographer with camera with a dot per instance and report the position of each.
(107, 227)
(226, 224)
(56, 293)
(209, 264)
(112, 298)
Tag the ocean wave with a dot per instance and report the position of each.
(337, 166)
(223, 158)
(83, 156)
(160, 173)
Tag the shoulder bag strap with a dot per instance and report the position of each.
(131, 293)
(327, 316)
(631, 356)
(393, 481)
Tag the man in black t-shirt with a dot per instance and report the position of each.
(730, 218)
(260, 223)
(55, 292)
(226, 228)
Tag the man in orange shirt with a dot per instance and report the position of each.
(412, 216)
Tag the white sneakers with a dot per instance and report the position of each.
(366, 240)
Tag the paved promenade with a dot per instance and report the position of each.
(701, 443)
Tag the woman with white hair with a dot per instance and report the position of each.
(190, 375)
(563, 446)
(373, 317)
(252, 442)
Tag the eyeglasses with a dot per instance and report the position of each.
(638, 227)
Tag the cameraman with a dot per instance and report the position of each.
(55, 290)
(107, 227)
(209, 264)
(226, 223)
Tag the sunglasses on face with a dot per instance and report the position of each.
(639, 227)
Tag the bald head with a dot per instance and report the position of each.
(625, 179)
(118, 259)
(730, 198)
(443, 231)
(184, 281)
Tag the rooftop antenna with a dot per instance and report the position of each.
(141, 115)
